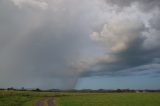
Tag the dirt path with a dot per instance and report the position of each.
(46, 102)
(51, 102)
(40, 103)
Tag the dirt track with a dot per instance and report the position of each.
(40, 103)
(51, 102)
(48, 101)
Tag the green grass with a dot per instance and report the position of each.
(111, 99)
(29, 98)
(17, 101)
(32, 102)
(25, 98)
(21, 98)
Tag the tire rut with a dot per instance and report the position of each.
(50, 102)
(40, 103)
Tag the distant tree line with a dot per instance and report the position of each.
(84, 90)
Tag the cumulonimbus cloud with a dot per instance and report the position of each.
(130, 36)
(50, 44)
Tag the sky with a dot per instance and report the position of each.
(80, 44)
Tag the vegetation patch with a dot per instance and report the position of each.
(111, 99)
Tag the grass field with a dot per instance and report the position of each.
(17, 101)
(112, 99)
(21, 98)
(29, 98)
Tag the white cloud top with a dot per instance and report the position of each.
(31, 3)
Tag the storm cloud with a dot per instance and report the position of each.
(130, 36)
(51, 44)
(39, 43)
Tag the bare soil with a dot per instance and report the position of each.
(40, 103)
(50, 102)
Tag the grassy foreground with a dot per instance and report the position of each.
(111, 99)
(29, 98)
(21, 98)
(17, 101)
